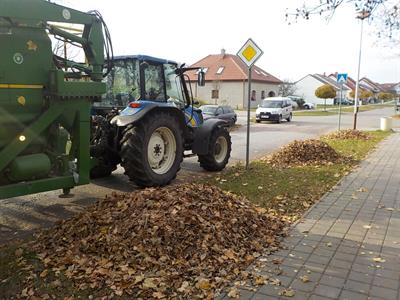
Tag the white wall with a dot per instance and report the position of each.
(397, 88)
(306, 88)
(233, 93)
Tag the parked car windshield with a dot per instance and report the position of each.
(209, 110)
(271, 104)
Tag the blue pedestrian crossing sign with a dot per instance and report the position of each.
(341, 78)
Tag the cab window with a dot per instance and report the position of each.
(122, 83)
(173, 86)
(154, 88)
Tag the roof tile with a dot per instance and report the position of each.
(234, 69)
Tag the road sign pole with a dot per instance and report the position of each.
(341, 79)
(340, 103)
(249, 54)
(248, 121)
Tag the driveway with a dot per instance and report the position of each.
(20, 216)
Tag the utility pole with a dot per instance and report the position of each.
(362, 15)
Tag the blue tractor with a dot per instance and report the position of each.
(147, 122)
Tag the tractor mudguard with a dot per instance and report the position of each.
(132, 115)
(203, 134)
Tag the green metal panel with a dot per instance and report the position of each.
(37, 186)
(28, 167)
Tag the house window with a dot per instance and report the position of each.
(214, 94)
(220, 70)
(262, 94)
(253, 95)
(271, 94)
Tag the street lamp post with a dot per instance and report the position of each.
(362, 15)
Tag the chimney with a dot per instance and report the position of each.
(223, 52)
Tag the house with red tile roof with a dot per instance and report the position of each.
(372, 86)
(227, 81)
(391, 88)
(365, 84)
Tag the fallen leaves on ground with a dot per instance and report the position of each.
(379, 259)
(287, 293)
(300, 153)
(348, 134)
(305, 278)
(175, 242)
(234, 293)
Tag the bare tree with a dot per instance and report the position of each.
(287, 88)
(385, 14)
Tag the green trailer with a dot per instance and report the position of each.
(45, 100)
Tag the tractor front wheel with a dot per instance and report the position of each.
(152, 150)
(219, 151)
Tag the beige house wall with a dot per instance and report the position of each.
(233, 93)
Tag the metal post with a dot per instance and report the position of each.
(358, 79)
(248, 121)
(340, 103)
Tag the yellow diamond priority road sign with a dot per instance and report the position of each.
(249, 53)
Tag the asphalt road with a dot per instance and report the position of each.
(20, 216)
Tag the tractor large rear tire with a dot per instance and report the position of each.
(219, 151)
(152, 150)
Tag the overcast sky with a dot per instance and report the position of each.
(186, 31)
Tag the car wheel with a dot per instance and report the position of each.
(258, 121)
(279, 119)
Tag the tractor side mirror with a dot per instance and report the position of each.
(201, 78)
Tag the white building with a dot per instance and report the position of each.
(306, 87)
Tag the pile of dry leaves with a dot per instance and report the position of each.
(308, 152)
(348, 134)
(177, 242)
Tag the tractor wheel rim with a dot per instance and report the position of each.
(161, 150)
(221, 149)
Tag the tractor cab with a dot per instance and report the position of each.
(148, 79)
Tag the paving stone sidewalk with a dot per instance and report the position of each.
(348, 244)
